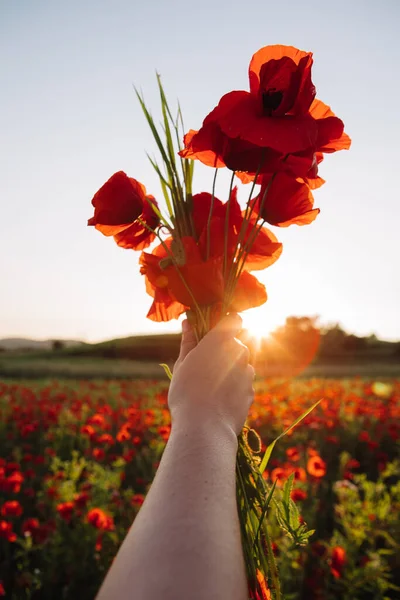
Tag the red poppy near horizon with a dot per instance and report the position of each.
(121, 206)
(280, 116)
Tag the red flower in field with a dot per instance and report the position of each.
(352, 463)
(364, 436)
(121, 206)
(164, 432)
(99, 543)
(298, 495)
(12, 483)
(338, 561)
(39, 533)
(293, 454)
(81, 499)
(278, 475)
(285, 200)
(105, 439)
(97, 419)
(11, 467)
(52, 491)
(299, 472)
(6, 531)
(2, 590)
(123, 435)
(30, 526)
(316, 466)
(137, 500)
(12, 508)
(65, 510)
(279, 116)
(98, 453)
(100, 520)
(88, 430)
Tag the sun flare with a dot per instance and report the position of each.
(260, 322)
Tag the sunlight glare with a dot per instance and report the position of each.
(260, 322)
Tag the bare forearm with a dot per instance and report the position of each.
(185, 541)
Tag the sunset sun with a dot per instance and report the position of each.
(260, 323)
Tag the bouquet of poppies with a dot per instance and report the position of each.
(272, 138)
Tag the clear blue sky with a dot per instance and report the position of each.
(69, 119)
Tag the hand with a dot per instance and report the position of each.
(212, 381)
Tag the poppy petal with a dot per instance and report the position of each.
(264, 251)
(285, 200)
(165, 310)
(249, 293)
(239, 117)
(274, 52)
(331, 136)
(205, 145)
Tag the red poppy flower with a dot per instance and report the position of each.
(65, 510)
(137, 500)
(81, 499)
(123, 435)
(338, 561)
(118, 206)
(6, 531)
(98, 453)
(316, 466)
(293, 454)
(13, 482)
(249, 293)
(165, 307)
(285, 200)
(100, 520)
(215, 149)
(2, 590)
(29, 526)
(12, 508)
(203, 278)
(183, 273)
(298, 495)
(280, 116)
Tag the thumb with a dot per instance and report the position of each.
(188, 341)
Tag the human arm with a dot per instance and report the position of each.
(185, 542)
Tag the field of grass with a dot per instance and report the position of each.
(78, 456)
(293, 353)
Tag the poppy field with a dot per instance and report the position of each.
(77, 458)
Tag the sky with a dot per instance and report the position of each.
(69, 119)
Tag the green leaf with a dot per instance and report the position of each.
(308, 534)
(287, 489)
(268, 451)
(167, 370)
(264, 510)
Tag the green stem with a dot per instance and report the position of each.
(210, 215)
(226, 230)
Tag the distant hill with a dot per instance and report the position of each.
(296, 348)
(19, 344)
